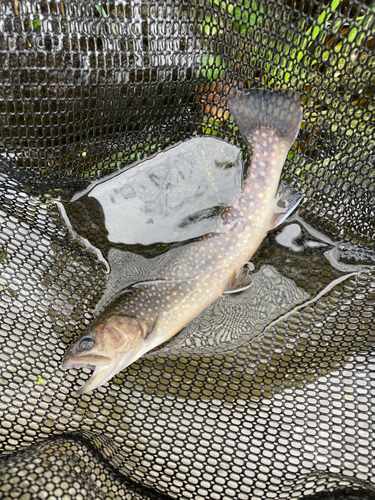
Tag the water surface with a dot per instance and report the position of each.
(144, 215)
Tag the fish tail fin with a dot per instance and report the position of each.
(280, 111)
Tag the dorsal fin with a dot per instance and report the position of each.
(241, 279)
(286, 200)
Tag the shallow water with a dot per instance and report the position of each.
(144, 215)
(174, 196)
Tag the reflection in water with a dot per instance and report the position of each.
(292, 237)
(343, 256)
(231, 318)
(175, 196)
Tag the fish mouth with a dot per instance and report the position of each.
(100, 376)
(85, 361)
(104, 369)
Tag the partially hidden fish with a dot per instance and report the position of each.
(149, 313)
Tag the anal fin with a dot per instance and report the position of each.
(286, 201)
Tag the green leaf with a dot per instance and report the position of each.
(101, 10)
(322, 17)
(335, 4)
(352, 34)
(315, 32)
(299, 56)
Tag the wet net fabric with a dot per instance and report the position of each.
(249, 401)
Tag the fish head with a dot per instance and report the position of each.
(108, 345)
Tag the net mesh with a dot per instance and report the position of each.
(249, 401)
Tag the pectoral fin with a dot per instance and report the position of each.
(241, 280)
(286, 200)
(154, 329)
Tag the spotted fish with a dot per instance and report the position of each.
(149, 313)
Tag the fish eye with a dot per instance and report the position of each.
(86, 344)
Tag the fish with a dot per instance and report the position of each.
(150, 313)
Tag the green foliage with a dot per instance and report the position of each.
(213, 68)
(99, 7)
(34, 23)
(210, 126)
(300, 58)
(317, 48)
(301, 50)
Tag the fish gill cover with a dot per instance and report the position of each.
(267, 393)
